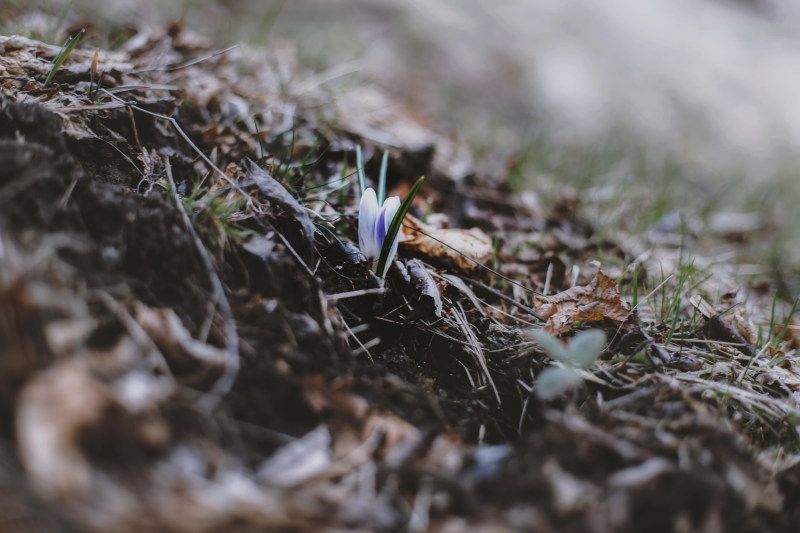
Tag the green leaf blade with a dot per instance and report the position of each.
(63, 54)
(382, 178)
(362, 177)
(394, 227)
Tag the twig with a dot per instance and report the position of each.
(81, 108)
(477, 349)
(136, 332)
(120, 152)
(353, 294)
(170, 68)
(294, 253)
(509, 315)
(135, 130)
(65, 197)
(360, 344)
(225, 382)
(497, 294)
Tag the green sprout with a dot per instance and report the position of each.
(581, 353)
(63, 54)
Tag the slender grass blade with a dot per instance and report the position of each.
(362, 178)
(394, 227)
(382, 178)
(63, 54)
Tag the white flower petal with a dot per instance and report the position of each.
(367, 217)
(390, 207)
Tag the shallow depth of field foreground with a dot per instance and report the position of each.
(588, 323)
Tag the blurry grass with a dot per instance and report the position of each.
(625, 191)
(12, 21)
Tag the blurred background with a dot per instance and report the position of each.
(651, 112)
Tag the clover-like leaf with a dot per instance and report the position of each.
(556, 380)
(585, 347)
(551, 345)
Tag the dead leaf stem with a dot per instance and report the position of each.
(225, 382)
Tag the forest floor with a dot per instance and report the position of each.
(191, 341)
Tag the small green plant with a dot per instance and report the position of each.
(215, 215)
(63, 54)
(581, 353)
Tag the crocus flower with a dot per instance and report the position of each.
(373, 224)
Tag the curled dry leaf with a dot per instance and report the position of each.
(440, 245)
(792, 335)
(722, 330)
(733, 327)
(420, 287)
(193, 362)
(596, 301)
(53, 410)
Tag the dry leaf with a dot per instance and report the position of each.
(193, 362)
(422, 291)
(54, 408)
(792, 335)
(299, 461)
(471, 242)
(734, 327)
(596, 301)
(787, 376)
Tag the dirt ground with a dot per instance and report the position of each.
(190, 339)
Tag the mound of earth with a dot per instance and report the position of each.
(190, 339)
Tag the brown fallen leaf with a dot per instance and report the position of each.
(786, 375)
(440, 245)
(735, 327)
(792, 335)
(596, 301)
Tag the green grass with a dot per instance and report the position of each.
(54, 20)
(214, 215)
(63, 54)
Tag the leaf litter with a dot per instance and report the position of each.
(136, 273)
(595, 302)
